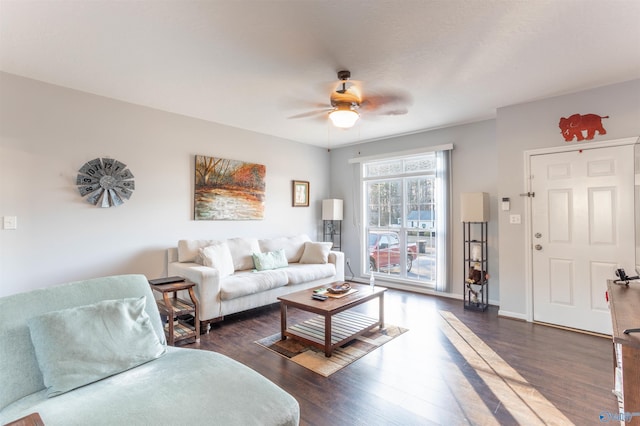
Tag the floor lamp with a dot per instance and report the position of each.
(332, 222)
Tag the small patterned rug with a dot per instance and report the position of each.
(313, 358)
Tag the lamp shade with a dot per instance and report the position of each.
(474, 207)
(332, 209)
(344, 117)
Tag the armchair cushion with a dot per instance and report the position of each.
(251, 282)
(298, 273)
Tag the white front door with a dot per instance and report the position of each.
(583, 229)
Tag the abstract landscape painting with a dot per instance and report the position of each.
(228, 189)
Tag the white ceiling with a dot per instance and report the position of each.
(253, 64)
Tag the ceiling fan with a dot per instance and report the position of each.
(347, 103)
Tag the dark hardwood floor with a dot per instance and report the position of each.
(440, 371)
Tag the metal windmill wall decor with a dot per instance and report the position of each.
(106, 181)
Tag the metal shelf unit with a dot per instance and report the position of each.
(476, 258)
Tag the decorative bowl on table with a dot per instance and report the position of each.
(339, 288)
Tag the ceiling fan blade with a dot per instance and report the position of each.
(301, 103)
(395, 111)
(310, 113)
(388, 104)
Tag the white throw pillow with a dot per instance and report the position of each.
(218, 256)
(293, 246)
(316, 252)
(241, 252)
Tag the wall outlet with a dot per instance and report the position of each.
(10, 222)
(348, 261)
(515, 219)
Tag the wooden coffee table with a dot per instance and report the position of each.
(339, 325)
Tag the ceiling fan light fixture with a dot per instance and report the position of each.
(344, 116)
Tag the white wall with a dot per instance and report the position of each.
(535, 125)
(47, 133)
(475, 169)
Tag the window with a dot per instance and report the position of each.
(405, 211)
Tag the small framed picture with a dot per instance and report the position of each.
(300, 193)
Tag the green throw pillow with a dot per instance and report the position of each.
(270, 260)
(84, 344)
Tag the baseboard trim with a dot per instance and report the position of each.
(417, 289)
(576, 330)
(512, 315)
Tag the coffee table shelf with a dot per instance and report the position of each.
(345, 327)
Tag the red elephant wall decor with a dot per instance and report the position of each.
(573, 126)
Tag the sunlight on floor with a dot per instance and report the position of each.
(523, 402)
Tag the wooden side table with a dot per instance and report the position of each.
(173, 306)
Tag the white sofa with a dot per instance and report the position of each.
(228, 282)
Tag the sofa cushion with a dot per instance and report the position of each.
(251, 282)
(241, 252)
(293, 246)
(218, 256)
(316, 252)
(270, 260)
(189, 250)
(298, 273)
(84, 344)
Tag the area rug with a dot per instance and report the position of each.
(313, 358)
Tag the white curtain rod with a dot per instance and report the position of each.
(400, 154)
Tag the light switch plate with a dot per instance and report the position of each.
(10, 222)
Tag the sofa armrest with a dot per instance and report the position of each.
(337, 258)
(207, 287)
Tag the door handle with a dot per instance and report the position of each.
(538, 247)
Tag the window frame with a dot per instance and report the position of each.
(442, 176)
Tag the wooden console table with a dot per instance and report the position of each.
(624, 302)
